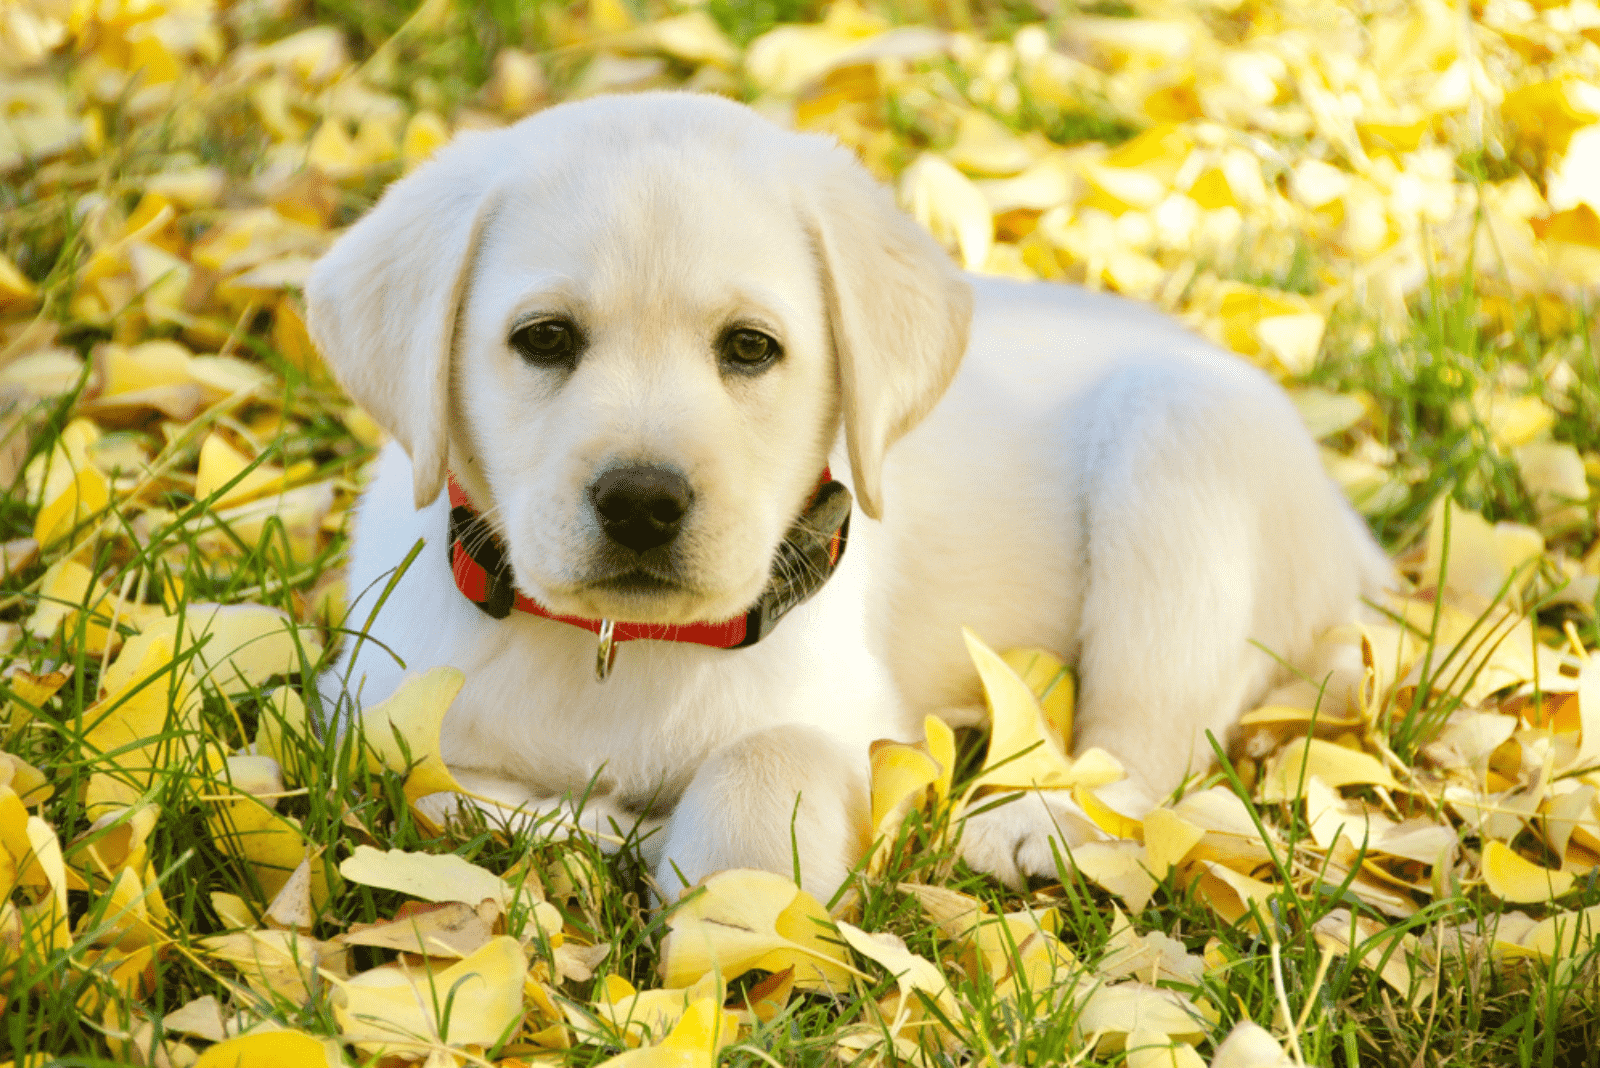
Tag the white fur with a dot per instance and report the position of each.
(1094, 480)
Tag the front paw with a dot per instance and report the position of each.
(784, 798)
(1019, 837)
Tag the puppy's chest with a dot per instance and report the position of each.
(538, 714)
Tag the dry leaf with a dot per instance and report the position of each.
(739, 920)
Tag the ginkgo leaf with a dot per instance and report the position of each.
(475, 1002)
(1335, 765)
(951, 206)
(899, 773)
(736, 921)
(429, 876)
(1386, 953)
(1152, 957)
(1249, 1045)
(1118, 867)
(271, 1049)
(221, 464)
(1023, 752)
(1114, 1011)
(1168, 838)
(1051, 681)
(702, 1029)
(912, 974)
(1511, 878)
(402, 732)
(443, 929)
(273, 845)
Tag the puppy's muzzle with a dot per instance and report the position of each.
(641, 506)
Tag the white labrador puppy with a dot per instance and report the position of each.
(635, 332)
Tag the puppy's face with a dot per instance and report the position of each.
(630, 327)
(644, 385)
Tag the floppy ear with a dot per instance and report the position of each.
(898, 309)
(382, 303)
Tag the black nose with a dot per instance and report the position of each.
(641, 506)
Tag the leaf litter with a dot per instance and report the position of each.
(1293, 181)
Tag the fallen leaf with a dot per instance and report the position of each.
(736, 921)
(1511, 878)
(395, 1009)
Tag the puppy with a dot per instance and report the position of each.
(632, 350)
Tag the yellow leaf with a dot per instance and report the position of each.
(691, 37)
(1050, 679)
(221, 463)
(429, 876)
(84, 498)
(1292, 340)
(332, 151)
(517, 84)
(29, 691)
(17, 292)
(398, 1009)
(272, 845)
(409, 722)
(899, 773)
(1546, 114)
(1515, 421)
(984, 146)
(1118, 1010)
(1284, 775)
(131, 369)
(913, 974)
(1380, 949)
(284, 712)
(1511, 878)
(1482, 557)
(1565, 935)
(736, 921)
(705, 1027)
(150, 711)
(1118, 867)
(270, 1049)
(1151, 1049)
(945, 201)
(1589, 714)
(1231, 894)
(1553, 474)
(1105, 817)
(425, 133)
(280, 964)
(1168, 837)
(1249, 1045)
(1018, 727)
(27, 781)
(241, 646)
(67, 584)
(442, 929)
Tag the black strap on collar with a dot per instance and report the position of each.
(805, 560)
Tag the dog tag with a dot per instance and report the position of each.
(606, 653)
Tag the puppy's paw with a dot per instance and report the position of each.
(1020, 838)
(772, 800)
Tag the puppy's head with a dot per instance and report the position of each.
(630, 328)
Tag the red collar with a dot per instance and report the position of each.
(806, 558)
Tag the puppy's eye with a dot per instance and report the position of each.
(546, 342)
(749, 350)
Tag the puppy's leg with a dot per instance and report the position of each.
(1208, 527)
(753, 803)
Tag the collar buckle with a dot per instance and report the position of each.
(605, 653)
